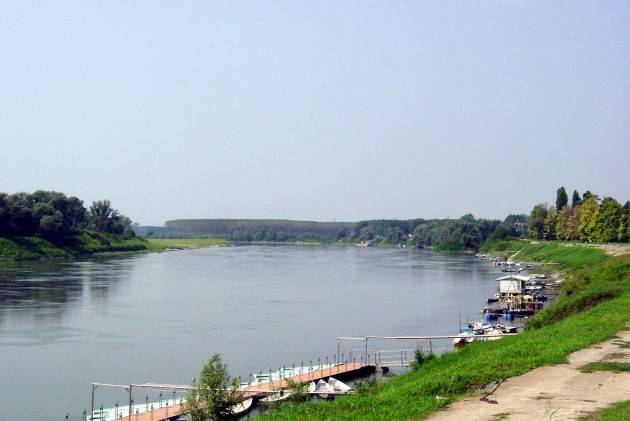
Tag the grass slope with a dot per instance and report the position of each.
(617, 412)
(84, 243)
(438, 382)
(184, 243)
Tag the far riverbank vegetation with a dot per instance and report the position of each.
(51, 224)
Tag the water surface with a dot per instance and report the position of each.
(158, 317)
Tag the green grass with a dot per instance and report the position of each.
(571, 255)
(615, 367)
(617, 412)
(184, 243)
(84, 243)
(563, 328)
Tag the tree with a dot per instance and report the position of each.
(549, 224)
(537, 221)
(573, 223)
(561, 198)
(214, 393)
(99, 214)
(587, 195)
(623, 231)
(607, 221)
(575, 200)
(4, 214)
(52, 226)
(562, 224)
(587, 218)
(623, 234)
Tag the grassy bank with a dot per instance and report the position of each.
(84, 243)
(581, 316)
(158, 244)
(618, 412)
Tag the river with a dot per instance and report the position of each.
(157, 317)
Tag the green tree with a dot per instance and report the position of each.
(587, 195)
(99, 214)
(562, 225)
(607, 221)
(573, 223)
(588, 218)
(214, 392)
(575, 200)
(52, 226)
(623, 231)
(623, 235)
(561, 198)
(549, 224)
(537, 221)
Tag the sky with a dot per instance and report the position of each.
(315, 110)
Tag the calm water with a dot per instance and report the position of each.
(158, 317)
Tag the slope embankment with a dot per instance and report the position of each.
(82, 244)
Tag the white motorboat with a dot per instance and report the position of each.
(280, 396)
(241, 407)
(338, 385)
(323, 390)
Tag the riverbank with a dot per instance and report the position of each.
(564, 392)
(591, 308)
(165, 244)
(90, 243)
(83, 244)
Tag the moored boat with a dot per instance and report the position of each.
(279, 396)
(339, 386)
(323, 390)
(240, 408)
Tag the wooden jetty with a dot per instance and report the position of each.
(342, 370)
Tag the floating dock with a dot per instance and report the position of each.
(256, 390)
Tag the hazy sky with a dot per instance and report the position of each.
(315, 110)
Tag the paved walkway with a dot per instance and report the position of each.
(559, 392)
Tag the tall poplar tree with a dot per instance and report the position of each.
(536, 221)
(561, 198)
(588, 217)
(562, 225)
(575, 200)
(549, 224)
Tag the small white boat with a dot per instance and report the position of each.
(463, 339)
(312, 387)
(323, 390)
(338, 385)
(241, 407)
(276, 397)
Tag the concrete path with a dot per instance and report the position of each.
(560, 392)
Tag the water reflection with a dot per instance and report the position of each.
(36, 293)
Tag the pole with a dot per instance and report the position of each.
(366, 347)
(130, 401)
(92, 407)
(338, 349)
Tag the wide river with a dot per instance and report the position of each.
(157, 317)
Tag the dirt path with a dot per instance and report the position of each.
(560, 392)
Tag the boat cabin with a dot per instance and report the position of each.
(512, 284)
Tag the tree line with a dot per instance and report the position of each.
(586, 218)
(55, 216)
(247, 230)
(465, 233)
